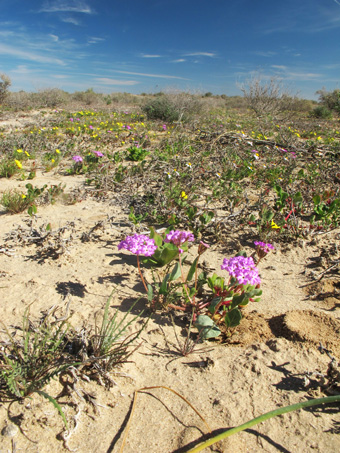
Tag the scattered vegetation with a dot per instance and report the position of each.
(186, 168)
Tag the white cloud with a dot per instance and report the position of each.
(75, 6)
(200, 54)
(261, 53)
(284, 68)
(71, 20)
(12, 51)
(94, 40)
(150, 56)
(160, 76)
(180, 60)
(21, 69)
(54, 37)
(107, 81)
(59, 76)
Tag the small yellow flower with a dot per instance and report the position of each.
(52, 161)
(184, 195)
(18, 163)
(57, 151)
(19, 151)
(123, 143)
(27, 154)
(23, 196)
(273, 225)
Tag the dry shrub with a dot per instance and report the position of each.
(268, 97)
(5, 83)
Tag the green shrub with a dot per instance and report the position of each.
(330, 100)
(322, 112)
(162, 109)
(171, 107)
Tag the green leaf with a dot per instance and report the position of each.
(164, 286)
(32, 210)
(233, 317)
(156, 237)
(192, 269)
(317, 199)
(213, 304)
(206, 327)
(176, 272)
(150, 293)
(55, 404)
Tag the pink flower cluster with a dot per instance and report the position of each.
(178, 237)
(77, 158)
(264, 247)
(243, 269)
(139, 244)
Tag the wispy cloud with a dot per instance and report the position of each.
(180, 60)
(55, 38)
(200, 54)
(146, 55)
(14, 52)
(159, 76)
(263, 53)
(107, 81)
(94, 40)
(71, 20)
(75, 6)
(297, 74)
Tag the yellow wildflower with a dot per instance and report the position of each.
(18, 163)
(273, 225)
(27, 154)
(57, 151)
(19, 151)
(184, 195)
(23, 196)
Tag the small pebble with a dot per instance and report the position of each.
(10, 430)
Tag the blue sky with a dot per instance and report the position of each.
(152, 45)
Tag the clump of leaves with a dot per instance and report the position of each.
(108, 345)
(28, 363)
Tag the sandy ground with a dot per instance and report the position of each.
(260, 369)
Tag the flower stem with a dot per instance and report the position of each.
(183, 279)
(141, 275)
(263, 417)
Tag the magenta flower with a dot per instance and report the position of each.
(262, 246)
(179, 237)
(243, 269)
(139, 244)
(98, 153)
(77, 158)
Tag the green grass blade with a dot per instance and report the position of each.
(55, 404)
(262, 418)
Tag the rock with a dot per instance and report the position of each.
(10, 430)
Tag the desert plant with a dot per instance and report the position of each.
(28, 363)
(321, 111)
(109, 345)
(14, 201)
(8, 168)
(267, 97)
(5, 83)
(172, 107)
(330, 100)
